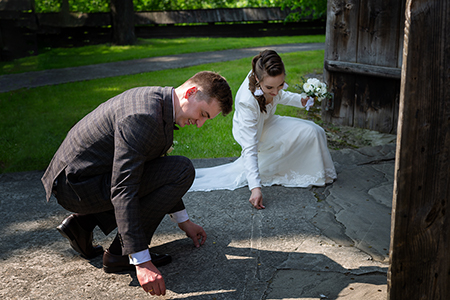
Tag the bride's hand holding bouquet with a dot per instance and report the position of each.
(313, 89)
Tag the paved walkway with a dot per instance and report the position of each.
(316, 243)
(309, 243)
(57, 76)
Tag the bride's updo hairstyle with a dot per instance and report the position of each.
(266, 63)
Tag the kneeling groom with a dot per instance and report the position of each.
(111, 171)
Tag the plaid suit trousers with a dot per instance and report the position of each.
(164, 182)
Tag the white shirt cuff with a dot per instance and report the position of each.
(179, 216)
(140, 257)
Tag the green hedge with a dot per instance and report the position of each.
(89, 6)
(316, 8)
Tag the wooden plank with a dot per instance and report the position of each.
(356, 68)
(375, 103)
(211, 15)
(342, 30)
(167, 17)
(420, 231)
(74, 20)
(16, 41)
(75, 37)
(232, 30)
(364, 101)
(340, 45)
(21, 19)
(343, 87)
(379, 33)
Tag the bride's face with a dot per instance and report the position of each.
(272, 85)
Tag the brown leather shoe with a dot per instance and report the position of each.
(113, 263)
(80, 239)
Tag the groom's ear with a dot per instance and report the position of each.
(191, 91)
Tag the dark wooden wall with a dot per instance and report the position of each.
(364, 42)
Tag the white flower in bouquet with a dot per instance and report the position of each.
(315, 89)
(307, 87)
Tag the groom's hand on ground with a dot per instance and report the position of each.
(150, 279)
(194, 231)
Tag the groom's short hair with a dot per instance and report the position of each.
(211, 86)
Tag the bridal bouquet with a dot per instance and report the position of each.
(315, 89)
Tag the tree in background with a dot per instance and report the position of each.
(86, 6)
(89, 6)
(122, 13)
(317, 9)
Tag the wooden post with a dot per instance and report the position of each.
(420, 232)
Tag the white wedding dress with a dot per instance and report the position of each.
(276, 150)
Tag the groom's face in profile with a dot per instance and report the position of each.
(196, 112)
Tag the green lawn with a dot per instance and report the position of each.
(33, 122)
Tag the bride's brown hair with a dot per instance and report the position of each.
(268, 62)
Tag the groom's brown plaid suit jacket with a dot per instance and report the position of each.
(103, 158)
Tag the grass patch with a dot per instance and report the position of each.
(34, 122)
(88, 55)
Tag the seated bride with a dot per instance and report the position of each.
(276, 150)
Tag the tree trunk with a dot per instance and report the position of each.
(420, 232)
(122, 13)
